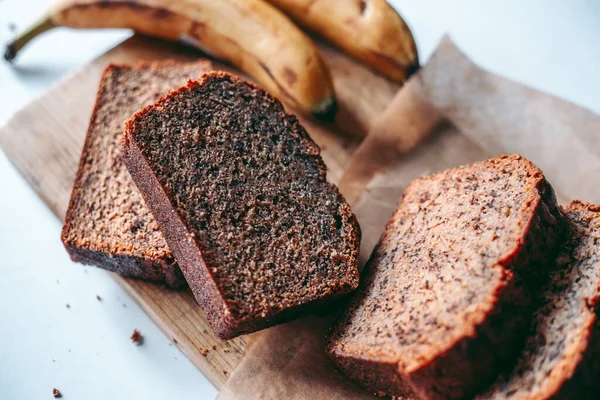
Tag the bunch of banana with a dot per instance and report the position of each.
(251, 34)
(257, 37)
(370, 30)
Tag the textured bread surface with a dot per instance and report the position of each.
(239, 190)
(451, 275)
(561, 358)
(107, 223)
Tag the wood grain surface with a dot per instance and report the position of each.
(44, 142)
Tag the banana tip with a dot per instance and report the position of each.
(326, 112)
(9, 52)
(411, 70)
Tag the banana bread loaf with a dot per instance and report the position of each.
(448, 279)
(562, 356)
(107, 223)
(240, 193)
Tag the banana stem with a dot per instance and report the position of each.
(11, 50)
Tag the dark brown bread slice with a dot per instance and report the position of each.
(107, 223)
(443, 306)
(240, 192)
(562, 356)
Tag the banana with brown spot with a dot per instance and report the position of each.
(251, 34)
(370, 30)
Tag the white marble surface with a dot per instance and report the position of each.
(85, 350)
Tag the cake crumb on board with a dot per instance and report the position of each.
(137, 337)
(56, 393)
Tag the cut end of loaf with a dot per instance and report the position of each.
(240, 192)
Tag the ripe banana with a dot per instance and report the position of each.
(370, 30)
(251, 34)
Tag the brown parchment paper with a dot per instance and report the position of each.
(450, 113)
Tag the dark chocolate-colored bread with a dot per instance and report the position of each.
(444, 306)
(240, 193)
(562, 356)
(107, 223)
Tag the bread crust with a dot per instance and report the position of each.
(158, 270)
(460, 367)
(198, 274)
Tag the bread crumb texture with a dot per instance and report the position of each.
(447, 281)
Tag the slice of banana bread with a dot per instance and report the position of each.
(444, 305)
(240, 192)
(107, 223)
(562, 356)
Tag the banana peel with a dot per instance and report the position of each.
(370, 30)
(251, 34)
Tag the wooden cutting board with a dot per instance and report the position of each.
(44, 142)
